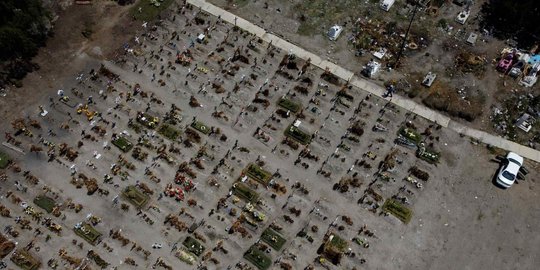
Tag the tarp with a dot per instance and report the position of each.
(534, 59)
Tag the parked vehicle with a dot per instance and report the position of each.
(334, 32)
(509, 170)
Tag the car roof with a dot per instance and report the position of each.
(515, 157)
(513, 168)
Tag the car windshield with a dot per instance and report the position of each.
(508, 175)
(332, 32)
(514, 161)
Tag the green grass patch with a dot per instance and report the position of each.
(148, 10)
(345, 102)
(204, 129)
(135, 197)
(24, 260)
(193, 246)
(298, 135)
(45, 203)
(244, 192)
(494, 150)
(97, 259)
(429, 155)
(273, 239)
(333, 248)
(88, 233)
(136, 127)
(410, 134)
(316, 16)
(289, 105)
(169, 132)
(186, 256)
(123, 144)
(4, 160)
(397, 209)
(258, 258)
(336, 244)
(241, 3)
(259, 174)
(147, 120)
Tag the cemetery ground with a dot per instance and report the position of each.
(468, 86)
(256, 160)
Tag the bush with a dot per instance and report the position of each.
(418, 173)
(289, 105)
(243, 191)
(258, 258)
(22, 28)
(449, 101)
(88, 233)
(298, 134)
(398, 210)
(148, 10)
(45, 202)
(4, 160)
(125, 2)
(25, 260)
(512, 19)
(200, 126)
(259, 174)
(357, 129)
(135, 197)
(123, 144)
(193, 246)
(442, 23)
(169, 131)
(273, 239)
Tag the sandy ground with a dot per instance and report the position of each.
(460, 219)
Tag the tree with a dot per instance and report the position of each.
(125, 2)
(15, 43)
(513, 19)
(23, 29)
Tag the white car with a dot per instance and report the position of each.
(334, 32)
(509, 170)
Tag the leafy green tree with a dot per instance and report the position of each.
(23, 28)
(518, 20)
